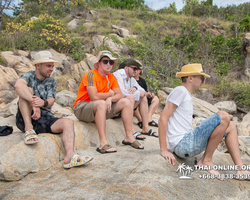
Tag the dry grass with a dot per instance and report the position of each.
(62, 82)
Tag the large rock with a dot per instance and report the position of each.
(73, 23)
(65, 98)
(122, 32)
(91, 60)
(78, 70)
(8, 77)
(107, 42)
(228, 106)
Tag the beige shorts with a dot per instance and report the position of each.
(84, 111)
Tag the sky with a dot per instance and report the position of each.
(158, 4)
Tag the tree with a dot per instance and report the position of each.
(5, 5)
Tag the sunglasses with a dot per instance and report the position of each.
(134, 68)
(105, 62)
(202, 79)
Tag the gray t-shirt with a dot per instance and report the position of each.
(41, 88)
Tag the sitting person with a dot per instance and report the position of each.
(100, 98)
(153, 101)
(129, 87)
(176, 123)
(37, 91)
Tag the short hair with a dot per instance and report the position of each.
(184, 79)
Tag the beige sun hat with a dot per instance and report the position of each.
(108, 54)
(191, 70)
(44, 57)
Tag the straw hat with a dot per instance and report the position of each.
(191, 70)
(108, 54)
(44, 57)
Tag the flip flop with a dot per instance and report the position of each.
(134, 144)
(30, 134)
(136, 134)
(140, 124)
(150, 133)
(75, 163)
(153, 123)
(105, 148)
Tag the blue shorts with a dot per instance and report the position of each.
(195, 142)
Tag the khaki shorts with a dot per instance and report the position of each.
(84, 111)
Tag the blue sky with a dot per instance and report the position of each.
(158, 4)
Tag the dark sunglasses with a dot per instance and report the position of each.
(134, 68)
(202, 79)
(105, 62)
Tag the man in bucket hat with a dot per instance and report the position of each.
(37, 90)
(130, 88)
(100, 98)
(176, 122)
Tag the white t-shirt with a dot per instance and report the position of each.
(125, 84)
(180, 122)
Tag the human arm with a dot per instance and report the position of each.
(162, 123)
(95, 95)
(23, 90)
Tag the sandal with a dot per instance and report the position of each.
(153, 123)
(105, 148)
(136, 134)
(75, 163)
(150, 133)
(134, 144)
(140, 124)
(30, 134)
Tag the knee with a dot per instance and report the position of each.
(131, 98)
(156, 99)
(101, 105)
(67, 123)
(225, 117)
(128, 102)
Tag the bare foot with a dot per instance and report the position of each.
(243, 175)
(214, 173)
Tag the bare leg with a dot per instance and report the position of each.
(100, 110)
(126, 107)
(233, 147)
(137, 115)
(214, 140)
(26, 109)
(66, 126)
(152, 108)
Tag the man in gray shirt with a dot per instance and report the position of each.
(37, 91)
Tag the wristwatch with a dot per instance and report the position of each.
(45, 103)
(135, 87)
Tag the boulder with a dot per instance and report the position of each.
(91, 60)
(72, 85)
(8, 77)
(73, 23)
(228, 106)
(65, 98)
(78, 70)
(107, 42)
(205, 94)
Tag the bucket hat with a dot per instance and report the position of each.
(44, 57)
(129, 62)
(191, 70)
(101, 54)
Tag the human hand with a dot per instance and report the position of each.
(111, 92)
(149, 95)
(109, 103)
(36, 113)
(37, 101)
(168, 156)
(131, 90)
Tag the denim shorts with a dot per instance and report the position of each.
(195, 142)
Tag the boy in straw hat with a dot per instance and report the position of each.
(37, 90)
(100, 98)
(176, 122)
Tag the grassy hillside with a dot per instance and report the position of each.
(165, 41)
